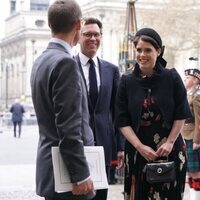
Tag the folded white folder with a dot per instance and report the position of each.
(96, 163)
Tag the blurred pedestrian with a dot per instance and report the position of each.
(191, 130)
(101, 80)
(60, 103)
(151, 107)
(17, 111)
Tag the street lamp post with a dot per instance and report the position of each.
(6, 89)
(6, 72)
(1, 77)
(33, 50)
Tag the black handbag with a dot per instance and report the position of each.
(160, 172)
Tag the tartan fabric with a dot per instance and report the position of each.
(193, 156)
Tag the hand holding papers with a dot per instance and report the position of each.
(96, 163)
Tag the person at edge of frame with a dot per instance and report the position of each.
(191, 131)
(151, 108)
(60, 102)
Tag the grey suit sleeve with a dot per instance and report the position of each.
(67, 98)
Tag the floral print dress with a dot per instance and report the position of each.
(153, 133)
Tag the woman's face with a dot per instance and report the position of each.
(146, 55)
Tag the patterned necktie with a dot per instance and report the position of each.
(93, 90)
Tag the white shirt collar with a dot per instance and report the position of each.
(84, 59)
(63, 43)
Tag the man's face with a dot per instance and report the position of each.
(90, 39)
(190, 81)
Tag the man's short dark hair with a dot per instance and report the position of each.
(92, 20)
(62, 15)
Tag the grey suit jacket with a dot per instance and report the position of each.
(60, 102)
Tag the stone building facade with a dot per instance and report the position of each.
(27, 34)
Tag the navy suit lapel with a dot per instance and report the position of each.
(104, 73)
(102, 78)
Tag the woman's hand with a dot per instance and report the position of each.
(147, 152)
(165, 149)
(120, 159)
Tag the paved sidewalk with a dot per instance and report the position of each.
(28, 194)
(17, 167)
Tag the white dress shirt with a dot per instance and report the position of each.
(85, 67)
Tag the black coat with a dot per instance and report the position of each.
(168, 90)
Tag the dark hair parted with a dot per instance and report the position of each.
(62, 15)
(151, 36)
(146, 38)
(92, 20)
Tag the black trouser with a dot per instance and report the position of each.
(102, 194)
(66, 196)
(19, 128)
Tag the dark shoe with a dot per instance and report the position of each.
(190, 182)
(113, 182)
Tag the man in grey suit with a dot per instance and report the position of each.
(101, 79)
(60, 101)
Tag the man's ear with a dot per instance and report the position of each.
(78, 25)
(49, 25)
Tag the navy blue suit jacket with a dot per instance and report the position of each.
(103, 113)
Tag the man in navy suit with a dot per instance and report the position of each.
(60, 102)
(100, 102)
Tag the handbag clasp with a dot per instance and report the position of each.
(159, 170)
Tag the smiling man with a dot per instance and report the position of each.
(101, 80)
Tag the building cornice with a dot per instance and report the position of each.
(24, 34)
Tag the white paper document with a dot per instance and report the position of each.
(96, 163)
